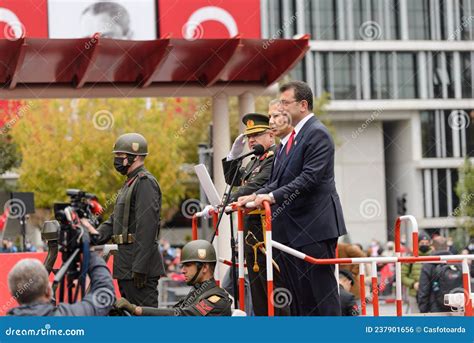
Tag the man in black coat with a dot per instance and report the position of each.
(431, 290)
(135, 224)
(303, 192)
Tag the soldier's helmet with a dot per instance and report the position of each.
(198, 251)
(131, 143)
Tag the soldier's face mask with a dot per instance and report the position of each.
(119, 163)
(424, 248)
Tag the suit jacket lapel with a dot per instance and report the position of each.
(298, 139)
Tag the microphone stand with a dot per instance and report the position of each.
(225, 202)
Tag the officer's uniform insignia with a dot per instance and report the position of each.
(214, 299)
(135, 146)
(270, 153)
(204, 308)
(202, 253)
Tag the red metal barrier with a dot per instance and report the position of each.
(240, 238)
(363, 302)
(398, 260)
(269, 248)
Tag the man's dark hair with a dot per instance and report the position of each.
(212, 266)
(302, 92)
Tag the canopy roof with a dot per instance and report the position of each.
(93, 67)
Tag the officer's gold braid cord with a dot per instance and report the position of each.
(259, 246)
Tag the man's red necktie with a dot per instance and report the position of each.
(290, 142)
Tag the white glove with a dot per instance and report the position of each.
(237, 147)
(206, 210)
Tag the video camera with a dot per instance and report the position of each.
(68, 235)
(66, 229)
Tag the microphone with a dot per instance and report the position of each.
(257, 150)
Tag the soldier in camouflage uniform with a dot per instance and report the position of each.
(198, 259)
(250, 179)
(134, 224)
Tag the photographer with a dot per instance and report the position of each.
(29, 285)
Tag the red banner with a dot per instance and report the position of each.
(194, 19)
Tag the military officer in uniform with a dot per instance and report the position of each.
(134, 224)
(198, 259)
(250, 179)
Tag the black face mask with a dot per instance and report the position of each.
(118, 164)
(424, 248)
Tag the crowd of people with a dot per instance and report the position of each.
(8, 246)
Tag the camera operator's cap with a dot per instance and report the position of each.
(423, 236)
(131, 143)
(198, 251)
(255, 123)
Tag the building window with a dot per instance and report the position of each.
(406, 75)
(440, 199)
(381, 77)
(394, 12)
(466, 13)
(418, 13)
(325, 19)
(467, 74)
(276, 21)
(447, 133)
(343, 81)
(298, 73)
(359, 17)
(443, 84)
(428, 134)
(338, 75)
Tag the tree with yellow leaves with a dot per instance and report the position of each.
(68, 144)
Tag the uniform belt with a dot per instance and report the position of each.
(120, 239)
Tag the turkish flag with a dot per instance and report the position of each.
(23, 18)
(194, 19)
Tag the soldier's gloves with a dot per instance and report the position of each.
(206, 210)
(124, 304)
(139, 279)
(237, 147)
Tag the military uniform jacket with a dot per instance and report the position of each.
(205, 299)
(143, 255)
(251, 178)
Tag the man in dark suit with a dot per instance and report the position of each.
(302, 191)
